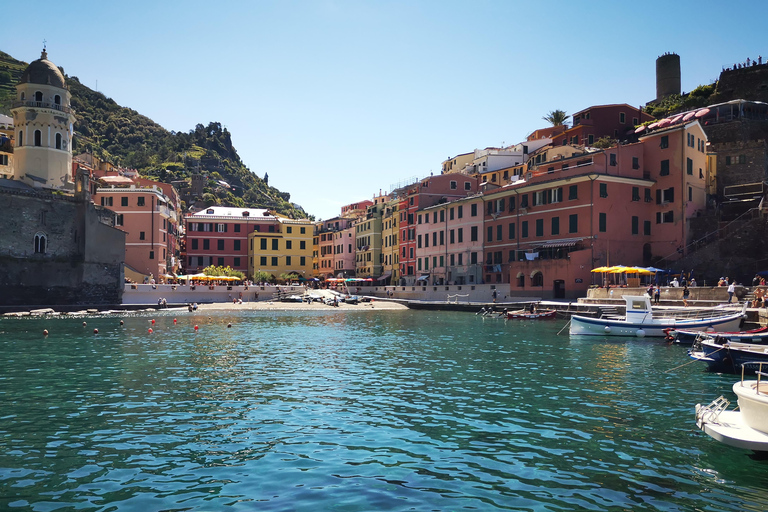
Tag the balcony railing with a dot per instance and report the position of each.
(41, 104)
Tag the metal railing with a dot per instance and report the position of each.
(759, 372)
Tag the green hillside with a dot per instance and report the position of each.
(125, 137)
(10, 73)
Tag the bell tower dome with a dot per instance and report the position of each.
(43, 119)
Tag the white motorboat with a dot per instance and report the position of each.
(640, 320)
(746, 427)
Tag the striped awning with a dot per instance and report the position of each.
(563, 242)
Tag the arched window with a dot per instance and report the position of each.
(57, 99)
(58, 141)
(38, 138)
(21, 138)
(41, 242)
(38, 96)
(537, 279)
(520, 280)
(23, 96)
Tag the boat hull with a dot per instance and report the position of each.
(729, 357)
(652, 327)
(729, 427)
(753, 404)
(687, 337)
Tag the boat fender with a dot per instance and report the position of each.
(607, 329)
(640, 333)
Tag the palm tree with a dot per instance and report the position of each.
(556, 117)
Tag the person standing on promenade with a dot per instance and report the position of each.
(731, 290)
(656, 294)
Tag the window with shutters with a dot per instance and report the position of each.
(573, 223)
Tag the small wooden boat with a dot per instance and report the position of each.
(525, 314)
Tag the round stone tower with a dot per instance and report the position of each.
(667, 75)
(43, 119)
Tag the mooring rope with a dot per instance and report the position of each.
(694, 361)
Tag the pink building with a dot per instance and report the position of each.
(428, 192)
(449, 243)
(336, 247)
(625, 205)
(148, 211)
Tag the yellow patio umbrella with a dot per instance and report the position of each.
(632, 270)
(602, 269)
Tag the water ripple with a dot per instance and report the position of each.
(374, 411)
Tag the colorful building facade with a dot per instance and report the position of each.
(148, 212)
(284, 247)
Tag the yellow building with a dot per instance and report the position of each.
(458, 163)
(287, 249)
(42, 122)
(368, 256)
(390, 242)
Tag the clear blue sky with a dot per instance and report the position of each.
(339, 99)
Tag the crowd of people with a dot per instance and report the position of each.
(759, 300)
(747, 63)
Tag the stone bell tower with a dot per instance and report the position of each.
(43, 119)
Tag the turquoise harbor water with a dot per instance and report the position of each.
(356, 411)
